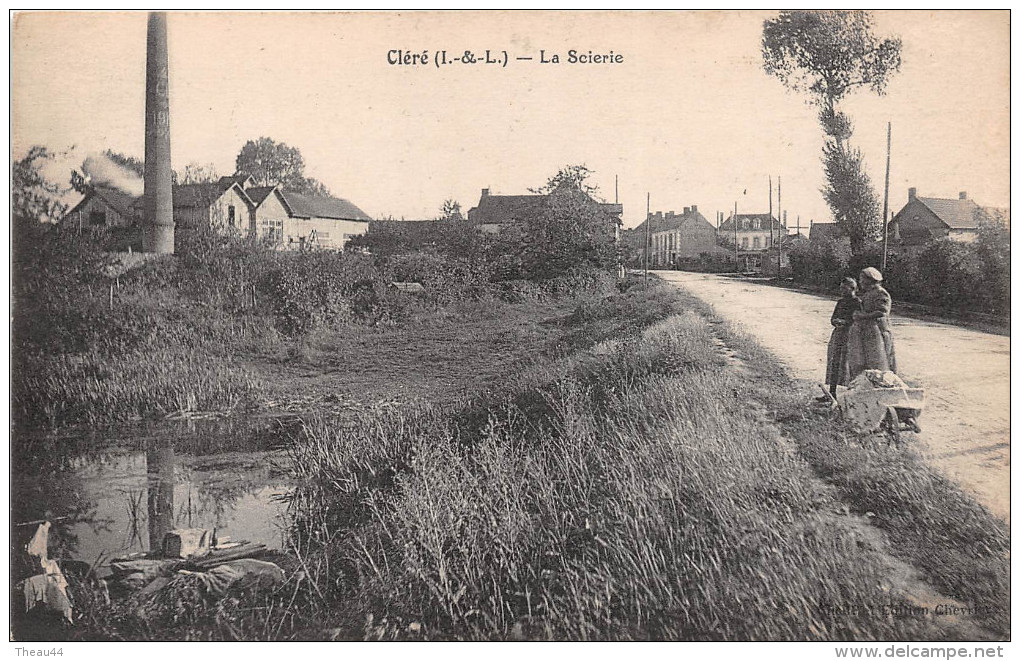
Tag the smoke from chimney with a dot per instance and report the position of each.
(100, 170)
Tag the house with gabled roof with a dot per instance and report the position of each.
(754, 235)
(825, 232)
(221, 205)
(103, 207)
(926, 219)
(312, 221)
(232, 204)
(495, 212)
(676, 237)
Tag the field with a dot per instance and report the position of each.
(597, 467)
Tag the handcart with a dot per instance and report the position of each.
(880, 402)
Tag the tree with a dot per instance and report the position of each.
(570, 176)
(829, 54)
(34, 198)
(850, 195)
(450, 210)
(273, 163)
(196, 173)
(568, 232)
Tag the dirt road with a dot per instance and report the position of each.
(965, 373)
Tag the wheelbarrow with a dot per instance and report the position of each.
(880, 402)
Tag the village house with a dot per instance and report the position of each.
(494, 212)
(674, 238)
(324, 222)
(825, 232)
(925, 219)
(754, 234)
(232, 204)
(223, 206)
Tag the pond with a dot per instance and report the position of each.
(118, 490)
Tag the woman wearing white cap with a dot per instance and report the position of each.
(870, 342)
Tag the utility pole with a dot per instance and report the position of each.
(736, 253)
(772, 240)
(779, 202)
(885, 203)
(617, 189)
(648, 233)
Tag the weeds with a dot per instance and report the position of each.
(94, 388)
(641, 501)
(635, 488)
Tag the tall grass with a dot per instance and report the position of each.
(642, 501)
(960, 547)
(94, 387)
(639, 487)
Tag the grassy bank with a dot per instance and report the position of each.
(638, 486)
(233, 325)
(960, 548)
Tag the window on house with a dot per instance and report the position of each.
(768, 242)
(272, 229)
(757, 243)
(232, 216)
(743, 242)
(97, 218)
(757, 223)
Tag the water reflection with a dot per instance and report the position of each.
(159, 459)
(119, 490)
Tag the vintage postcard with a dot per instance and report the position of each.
(511, 326)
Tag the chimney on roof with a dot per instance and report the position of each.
(687, 210)
(694, 208)
(485, 192)
(911, 193)
(963, 195)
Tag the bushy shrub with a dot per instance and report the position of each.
(821, 263)
(444, 278)
(301, 290)
(946, 274)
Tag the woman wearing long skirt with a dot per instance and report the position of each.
(837, 365)
(870, 338)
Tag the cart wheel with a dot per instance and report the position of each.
(892, 425)
(912, 423)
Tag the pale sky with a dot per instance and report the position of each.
(688, 116)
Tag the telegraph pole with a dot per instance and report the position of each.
(736, 252)
(779, 202)
(772, 239)
(648, 233)
(885, 203)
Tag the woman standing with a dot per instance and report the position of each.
(870, 338)
(837, 368)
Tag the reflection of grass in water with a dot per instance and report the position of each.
(138, 518)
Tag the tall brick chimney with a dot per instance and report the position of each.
(485, 192)
(963, 195)
(911, 193)
(158, 227)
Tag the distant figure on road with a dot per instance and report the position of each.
(870, 340)
(837, 366)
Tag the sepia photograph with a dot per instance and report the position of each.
(544, 326)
